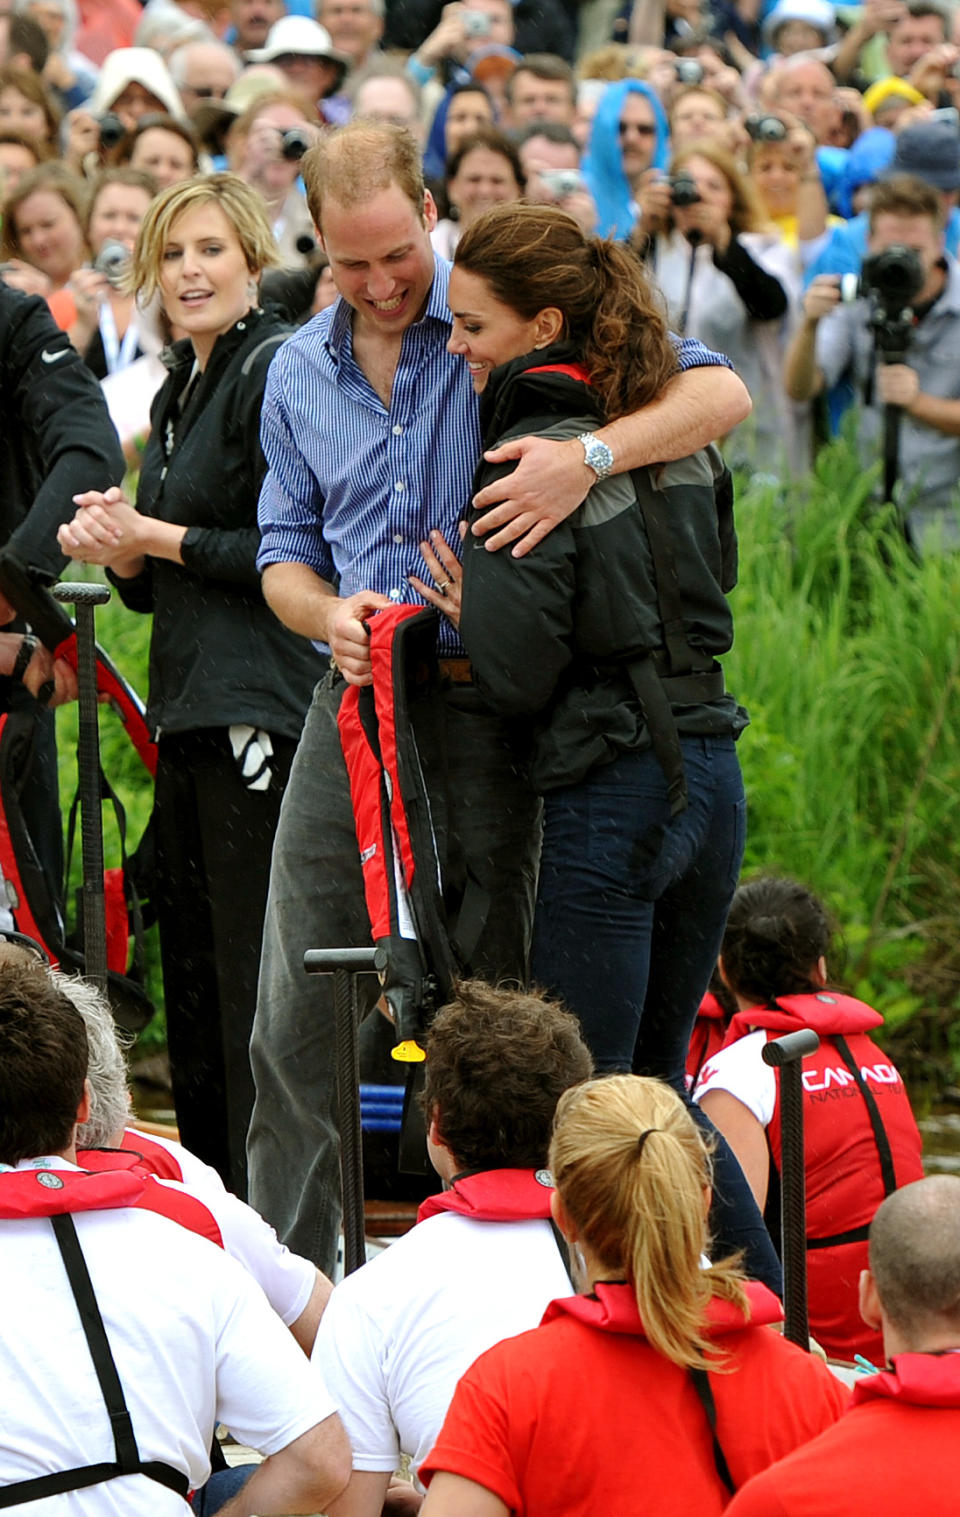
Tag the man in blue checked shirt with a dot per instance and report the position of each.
(370, 430)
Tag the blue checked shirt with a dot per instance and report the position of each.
(352, 488)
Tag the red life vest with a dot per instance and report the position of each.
(179, 1205)
(915, 1379)
(707, 1037)
(860, 1144)
(57, 1194)
(612, 1308)
(495, 1195)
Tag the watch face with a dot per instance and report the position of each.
(598, 456)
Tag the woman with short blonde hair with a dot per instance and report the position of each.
(229, 685)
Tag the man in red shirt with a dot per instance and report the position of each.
(894, 1454)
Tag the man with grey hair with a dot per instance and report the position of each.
(894, 1453)
(384, 91)
(355, 27)
(296, 1290)
(203, 71)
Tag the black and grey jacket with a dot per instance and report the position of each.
(554, 634)
(58, 439)
(218, 655)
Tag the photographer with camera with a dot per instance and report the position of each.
(907, 307)
(726, 280)
(264, 148)
(106, 328)
(550, 156)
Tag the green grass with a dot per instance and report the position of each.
(847, 656)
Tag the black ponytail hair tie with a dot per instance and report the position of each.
(643, 1138)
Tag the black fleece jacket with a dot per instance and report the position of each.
(546, 633)
(57, 436)
(218, 655)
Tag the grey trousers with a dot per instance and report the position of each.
(316, 901)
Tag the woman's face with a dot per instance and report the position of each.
(776, 179)
(204, 279)
(469, 111)
(15, 161)
(484, 178)
(711, 183)
(695, 117)
(134, 102)
(18, 114)
(163, 154)
(485, 331)
(117, 213)
(49, 235)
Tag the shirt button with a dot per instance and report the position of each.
(398, 537)
(398, 485)
(398, 431)
(394, 594)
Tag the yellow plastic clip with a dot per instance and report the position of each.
(408, 1052)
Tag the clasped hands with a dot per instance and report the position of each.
(106, 530)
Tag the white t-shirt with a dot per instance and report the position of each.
(194, 1340)
(739, 1069)
(397, 1334)
(286, 1279)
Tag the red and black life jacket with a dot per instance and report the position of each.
(861, 1143)
(707, 1038)
(57, 1194)
(426, 912)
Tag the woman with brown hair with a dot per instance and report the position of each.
(726, 277)
(27, 106)
(659, 1390)
(43, 239)
(606, 638)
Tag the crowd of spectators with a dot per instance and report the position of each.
(735, 146)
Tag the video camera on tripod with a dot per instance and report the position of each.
(890, 280)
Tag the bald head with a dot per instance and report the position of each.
(915, 1260)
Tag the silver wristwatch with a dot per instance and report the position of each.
(596, 455)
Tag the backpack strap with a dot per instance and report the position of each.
(704, 1390)
(128, 1461)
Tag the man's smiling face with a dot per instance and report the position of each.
(381, 257)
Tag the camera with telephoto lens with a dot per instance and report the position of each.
(112, 129)
(683, 190)
(765, 128)
(295, 143)
(891, 280)
(561, 182)
(688, 71)
(113, 261)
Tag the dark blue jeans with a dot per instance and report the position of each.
(630, 915)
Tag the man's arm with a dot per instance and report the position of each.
(364, 1496)
(802, 376)
(551, 479)
(304, 1329)
(899, 385)
(62, 410)
(309, 605)
(304, 1477)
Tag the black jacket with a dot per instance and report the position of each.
(218, 655)
(57, 436)
(550, 634)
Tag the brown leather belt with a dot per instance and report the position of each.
(458, 671)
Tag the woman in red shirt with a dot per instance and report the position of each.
(661, 1389)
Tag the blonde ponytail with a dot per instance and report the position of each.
(633, 1170)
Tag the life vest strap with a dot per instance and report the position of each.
(128, 1461)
